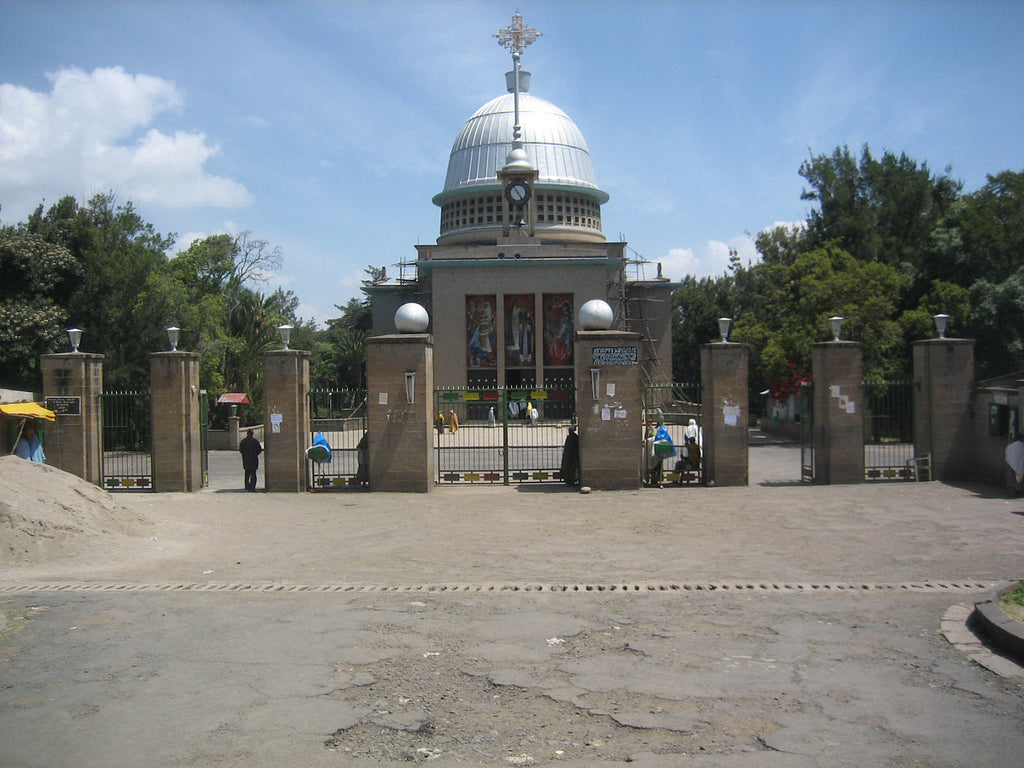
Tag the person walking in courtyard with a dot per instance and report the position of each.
(250, 449)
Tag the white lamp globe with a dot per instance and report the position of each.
(411, 318)
(596, 315)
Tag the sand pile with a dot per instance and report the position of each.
(47, 514)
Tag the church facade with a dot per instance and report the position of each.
(520, 249)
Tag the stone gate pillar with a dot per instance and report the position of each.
(944, 381)
(609, 412)
(72, 384)
(286, 423)
(725, 413)
(838, 428)
(399, 406)
(177, 451)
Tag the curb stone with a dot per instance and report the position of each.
(956, 626)
(1002, 633)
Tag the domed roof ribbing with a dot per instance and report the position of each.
(552, 141)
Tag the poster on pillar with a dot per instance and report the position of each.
(481, 332)
(520, 327)
(558, 329)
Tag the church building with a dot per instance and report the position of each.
(521, 249)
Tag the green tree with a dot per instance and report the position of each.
(974, 259)
(36, 281)
(117, 253)
(697, 305)
(876, 209)
(227, 321)
(340, 355)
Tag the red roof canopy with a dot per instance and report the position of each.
(234, 398)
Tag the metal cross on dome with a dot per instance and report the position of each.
(516, 36)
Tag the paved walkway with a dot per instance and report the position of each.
(774, 625)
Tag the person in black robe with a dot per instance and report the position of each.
(570, 466)
(250, 449)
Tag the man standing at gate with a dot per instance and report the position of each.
(250, 449)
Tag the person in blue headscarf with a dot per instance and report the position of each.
(29, 446)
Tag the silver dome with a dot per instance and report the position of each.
(555, 146)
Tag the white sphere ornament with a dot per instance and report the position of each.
(411, 318)
(596, 315)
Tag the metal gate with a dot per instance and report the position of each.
(492, 435)
(340, 414)
(127, 455)
(675, 406)
(204, 437)
(807, 432)
(889, 430)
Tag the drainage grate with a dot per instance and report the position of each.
(581, 588)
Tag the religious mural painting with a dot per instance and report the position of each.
(481, 332)
(520, 330)
(558, 329)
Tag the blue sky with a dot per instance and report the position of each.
(325, 127)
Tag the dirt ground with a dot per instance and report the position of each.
(774, 625)
(48, 515)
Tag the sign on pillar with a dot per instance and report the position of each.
(609, 412)
(725, 411)
(72, 384)
(286, 427)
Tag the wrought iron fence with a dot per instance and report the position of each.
(340, 414)
(675, 406)
(806, 400)
(888, 430)
(204, 436)
(502, 435)
(127, 456)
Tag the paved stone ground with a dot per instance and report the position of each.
(774, 625)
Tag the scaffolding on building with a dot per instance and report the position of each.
(637, 313)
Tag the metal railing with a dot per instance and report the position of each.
(127, 455)
(340, 414)
(674, 405)
(888, 430)
(502, 435)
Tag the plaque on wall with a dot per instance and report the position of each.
(64, 406)
(615, 355)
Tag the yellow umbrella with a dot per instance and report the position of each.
(28, 410)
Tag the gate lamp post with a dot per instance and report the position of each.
(941, 321)
(172, 336)
(75, 335)
(837, 326)
(286, 334)
(723, 327)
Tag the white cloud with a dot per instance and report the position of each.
(309, 312)
(679, 263)
(85, 135)
(712, 260)
(186, 239)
